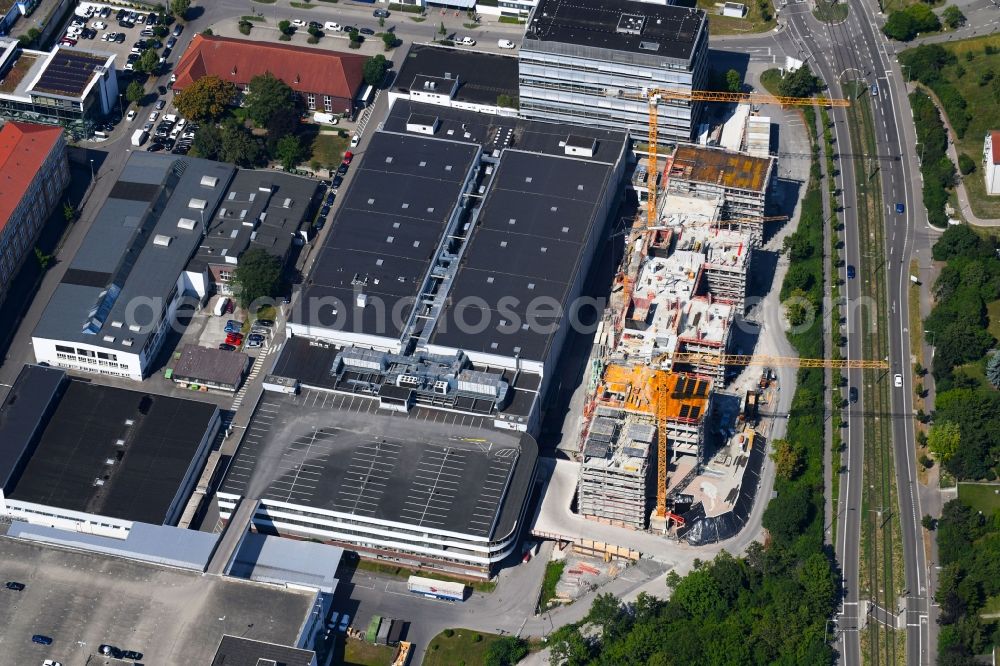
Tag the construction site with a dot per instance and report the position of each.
(664, 445)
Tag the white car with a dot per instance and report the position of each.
(467, 41)
(99, 25)
(897, 381)
(130, 115)
(298, 23)
(153, 116)
(506, 44)
(170, 118)
(331, 26)
(181, 123)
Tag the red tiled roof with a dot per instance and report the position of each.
(303, 69)
(995, 142)
(23, 149)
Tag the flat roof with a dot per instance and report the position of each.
(34, 390)
(385, 232)
(211, 365)
(119, 262)
(240, 651)
(341, 453)
(253, 214)
(271, 559)
(481, 76)
(104, 599)
(712, 166)
(69, 72)
(618, 25)
(536, 222)
(81, 435)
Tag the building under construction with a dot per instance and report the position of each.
(739, 182)
(638, 411)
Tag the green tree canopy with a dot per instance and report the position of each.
(282, 122)
(257, 275)
(734, 82)
(134, 92)
(945, 439)
(800, 83)
(148, 62)
(953, 17)
(180, 8)
(993, 370)
(206, 99)
(267, 95)
(289, 151)
(207, 142)
(239, 146)
(505, 651)
(374, 70)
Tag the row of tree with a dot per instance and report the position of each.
(935, 165)
(965, 434)
(969, 549)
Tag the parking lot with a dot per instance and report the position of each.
(82, 600)
(208, 330)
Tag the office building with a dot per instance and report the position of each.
(71, 87)
(34, 174)
(592, 64)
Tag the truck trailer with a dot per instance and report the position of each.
(438, 589)
(139, 137)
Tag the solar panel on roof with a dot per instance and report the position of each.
(695, 411)
(68, 73)
(702, 389)
(685, 410)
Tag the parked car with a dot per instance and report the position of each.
(14, 585)
(130, 116)
(342, 169)
(324, 211)
(466, 41)
(230, 307)
(506, 44)
(332, 622)
(337, 180)
(234, 324)
(345, 622)
(132, 654)
(255, 337)
(49, 662)
(178, 29)
(160, 103)
(366, 31)
(298, 23)
(110, 651)
(99, 25)
(897, 380)
(266, 323)
(41, 639)
(162, 90)
(381, 13)
(348, 157)
(316, 24)
(854, 394)
(227, 347)
(234, 339)
(330, 198)
(331, 26)
(850, 272)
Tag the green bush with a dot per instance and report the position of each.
(966, 164)
(905, 24)
(245, 27)
(409, 9)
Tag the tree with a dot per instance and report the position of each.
(953, 17)
(374, 70)
(568, 647)
(944, 439)
(282, 122)
(257, 275)
(734, 82)
(993, 370)
(507, 101)
(789, 458)
(267, 95)
(442, 30)
(787, 513)
(180, 8)
(245, 26)
(285, 27)
(928, 522)
(134, 92)
(147, 62)
(289, 151)
(389, 40)
(966, 164)
(900, 26)
(800, 83)
(505, 651)
(206, 99)
(238, 146)
(355, 38)
(207, 142)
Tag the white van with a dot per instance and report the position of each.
(220, 306)
(505, 44)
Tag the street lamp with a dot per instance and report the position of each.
(91, 170)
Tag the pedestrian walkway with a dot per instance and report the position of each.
(254, 371)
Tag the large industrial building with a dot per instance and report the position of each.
(115, 303)
(592, 63)
(72, 87)
(464, 236)
(98, 460)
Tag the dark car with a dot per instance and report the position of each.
(14, 585)
(230, 307)
(165, 53)
(337, 180)
(110, 650)
(342, 169)
(120, 38)
(854, 394)
(154, 147)
(330, 198)
(900, 208)
(122, 13)
(349, 28)
(160, 103)
(850, 272)
(132, 654)
(162, 90)
(151, 19)
(181, 150)
(266, 323)
(324, 211)
(225, 347)
(366, 31)
(319, 224)
(178, 29)
(316, 24)
(255, 337)
(381, 13)
(41, 639)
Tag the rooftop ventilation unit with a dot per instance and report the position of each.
(209, 181)
(185, 223)
(649, 46)
(197, 204)
(630, 24)
(162, 240)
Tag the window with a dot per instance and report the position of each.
(65, 350)
(327, 103)
(311, 101)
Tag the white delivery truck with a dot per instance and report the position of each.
(139, 137)
(220, 306)
(436, 588)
